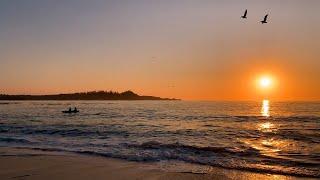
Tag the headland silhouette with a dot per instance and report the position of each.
(92, 95)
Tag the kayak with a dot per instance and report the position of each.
(70, 111)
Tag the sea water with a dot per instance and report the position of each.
(262, 136)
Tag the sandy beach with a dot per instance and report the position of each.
(17, 163)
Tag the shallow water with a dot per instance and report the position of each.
(273, 137)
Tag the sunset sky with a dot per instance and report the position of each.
(189, 49)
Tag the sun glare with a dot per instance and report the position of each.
(265, 81)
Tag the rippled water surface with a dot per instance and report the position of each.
(274, 137)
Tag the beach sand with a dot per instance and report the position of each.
(19, 163)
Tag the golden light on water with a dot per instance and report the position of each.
(265, 112)
(267, 146)
(265, 108)
(266, 125)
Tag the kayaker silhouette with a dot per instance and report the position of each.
(71, 111)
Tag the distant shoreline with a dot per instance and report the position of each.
(92, 95)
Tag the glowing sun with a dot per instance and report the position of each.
(265, 81)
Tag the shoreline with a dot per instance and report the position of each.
(24, 163)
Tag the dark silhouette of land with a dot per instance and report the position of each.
(93, 95)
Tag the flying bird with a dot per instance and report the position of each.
(245, 15)
(264, 19)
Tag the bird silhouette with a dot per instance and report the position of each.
(264, 19)
(245, 15)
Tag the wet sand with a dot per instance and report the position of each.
(17, 163)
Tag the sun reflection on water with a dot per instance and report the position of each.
(266, 127)
(265, 108)
(266, 144)
(265, 112)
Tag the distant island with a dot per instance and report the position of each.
(93, 95)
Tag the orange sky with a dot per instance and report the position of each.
(195, 50)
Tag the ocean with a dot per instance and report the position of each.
(266, 136)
